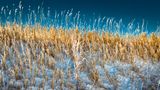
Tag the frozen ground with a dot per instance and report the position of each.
(112, 75)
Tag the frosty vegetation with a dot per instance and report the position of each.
(69, 54)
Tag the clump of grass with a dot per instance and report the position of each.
(26, 81)
(1, 80)
(52, 84)
(94, 76)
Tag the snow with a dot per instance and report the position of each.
(126, 78)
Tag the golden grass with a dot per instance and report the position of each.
(53, 42)
(27, 46)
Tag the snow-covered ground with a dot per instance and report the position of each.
(111, 75)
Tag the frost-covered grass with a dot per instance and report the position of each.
(32, 57)
(68, 51)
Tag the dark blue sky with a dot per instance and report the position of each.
(140, 9)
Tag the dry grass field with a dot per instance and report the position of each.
(66, 52)
(35, 57)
